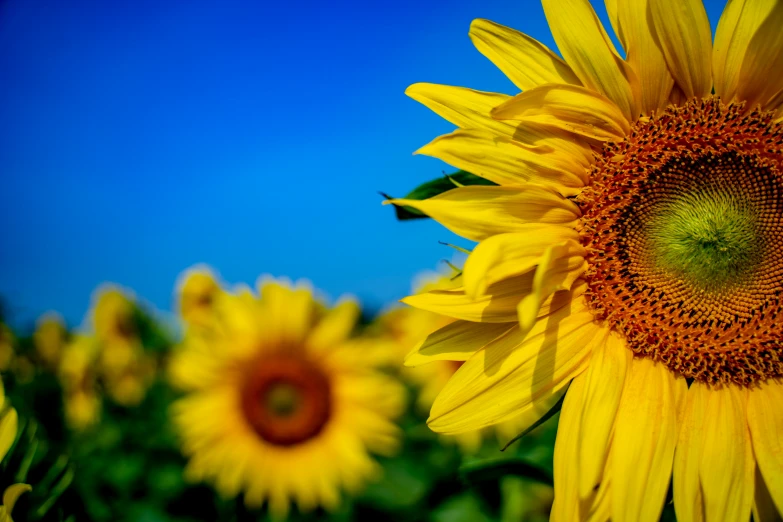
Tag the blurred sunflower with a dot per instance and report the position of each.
(636, 235)
(50, 337)
(197, 290)
(125, 369)
(280, 403)
(408, 326)
(79, 380)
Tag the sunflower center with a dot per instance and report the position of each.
(707, 239)
(283, 399)
(683, 226)
(286, 400)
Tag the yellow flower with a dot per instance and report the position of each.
(280, 403)
(112, 314)
(126, 370)
(49, 338)
(78, 377)
(632, 247)
(197, 290)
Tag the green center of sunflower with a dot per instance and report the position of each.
(707, 239)
(282, 399)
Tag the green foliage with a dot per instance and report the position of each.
(433, 188)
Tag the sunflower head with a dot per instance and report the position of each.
(631, 247)
(197, 290)
(281, 403)
(79, 380)
(113, 315)
(50, 337)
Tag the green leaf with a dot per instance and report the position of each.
(433, 188)
(495, 469)
(402, 486)
(462, 508)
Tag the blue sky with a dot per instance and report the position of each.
(137, 140)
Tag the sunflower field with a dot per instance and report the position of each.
(260, 404)
(603, 343)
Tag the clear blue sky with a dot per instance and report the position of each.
(137, 140)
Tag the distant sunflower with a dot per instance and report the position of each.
(636, 239)
(50, 338)
(280, 404)
(197, 291)
(79, 380)
(125, 368)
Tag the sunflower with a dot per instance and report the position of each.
(197, 290)
(632, 247)
(79, 380)
(49, 338)
(126, 370)
(280, 404)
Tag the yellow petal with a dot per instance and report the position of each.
(513, 373)
(644, 440)
(12, 494)
(713, 465)
(764, 509)
(498, 305)
(456, 341)
(558, 268)
(336, 325)
(288, 310)
(757, 85)
(465, 108)
(602, 391)
(567, 505)
(588, 50)
(506, 255)
(765, 420)
(567, 107)
(478, 212)
(738, 25)
(526, 62)
(644, 55)
(507, 162)
(8, 428)
(683, 32)
(611, 11)
(776, 104)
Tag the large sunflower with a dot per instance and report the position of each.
(280, 403)
(633, 248)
